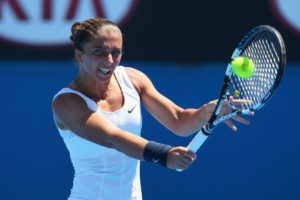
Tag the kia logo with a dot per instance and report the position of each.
(48, 22)
(288, 13)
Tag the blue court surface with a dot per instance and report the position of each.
(260, 162)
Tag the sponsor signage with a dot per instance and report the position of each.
(288, 11)
(48, 22)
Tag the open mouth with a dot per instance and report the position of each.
(104, 71)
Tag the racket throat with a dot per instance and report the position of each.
(207, 129)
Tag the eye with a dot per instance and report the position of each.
(99, 52)
(115, 52)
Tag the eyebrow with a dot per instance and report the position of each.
(99, 47)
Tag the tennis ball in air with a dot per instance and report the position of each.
(243, 67)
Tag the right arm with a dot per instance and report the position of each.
(72, 113)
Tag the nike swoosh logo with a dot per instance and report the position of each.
(130, 111)
(155, 160)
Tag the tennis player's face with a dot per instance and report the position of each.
(99, 58)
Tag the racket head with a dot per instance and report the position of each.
(265, 47)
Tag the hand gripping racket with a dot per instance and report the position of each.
(265, 47)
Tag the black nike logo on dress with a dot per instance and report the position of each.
(130, 111)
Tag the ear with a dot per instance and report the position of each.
(78, 55)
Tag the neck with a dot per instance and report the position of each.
(94, 89)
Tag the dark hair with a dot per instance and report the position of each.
(87, 30)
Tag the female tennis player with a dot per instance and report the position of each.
(98, 116)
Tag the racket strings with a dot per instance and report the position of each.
(264, 50)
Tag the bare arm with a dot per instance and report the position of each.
(72, 113)
(182, 122)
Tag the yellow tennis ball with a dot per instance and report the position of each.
(243, 67)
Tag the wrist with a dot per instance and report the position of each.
(205, 113)
(156, 152)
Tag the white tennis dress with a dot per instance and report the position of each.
(103, 173)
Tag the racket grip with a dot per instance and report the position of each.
(196, 143)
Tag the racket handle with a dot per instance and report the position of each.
(196, 143)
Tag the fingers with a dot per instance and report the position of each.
(183, 163)
(189, 154)
(180, 158)
(239, 101)
(231, 105)
(251, 113)
(241, 120)
(188, 158)
(231, 125)
(238, 119)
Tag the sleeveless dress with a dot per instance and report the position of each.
(103, 173)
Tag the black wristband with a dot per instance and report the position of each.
(156, 152)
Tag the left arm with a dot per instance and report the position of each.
(182, 122)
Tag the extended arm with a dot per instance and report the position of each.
(182, 122)
(72, 113)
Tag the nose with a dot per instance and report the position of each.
(109, 59)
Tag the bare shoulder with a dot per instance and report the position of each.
(68, 106)
(138, 78)
(67, 101)
(135, 74)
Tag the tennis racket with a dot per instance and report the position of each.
(265, 47)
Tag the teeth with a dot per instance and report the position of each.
(104, 71)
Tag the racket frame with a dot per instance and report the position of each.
(214, 121)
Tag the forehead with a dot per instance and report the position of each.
(107, 39)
